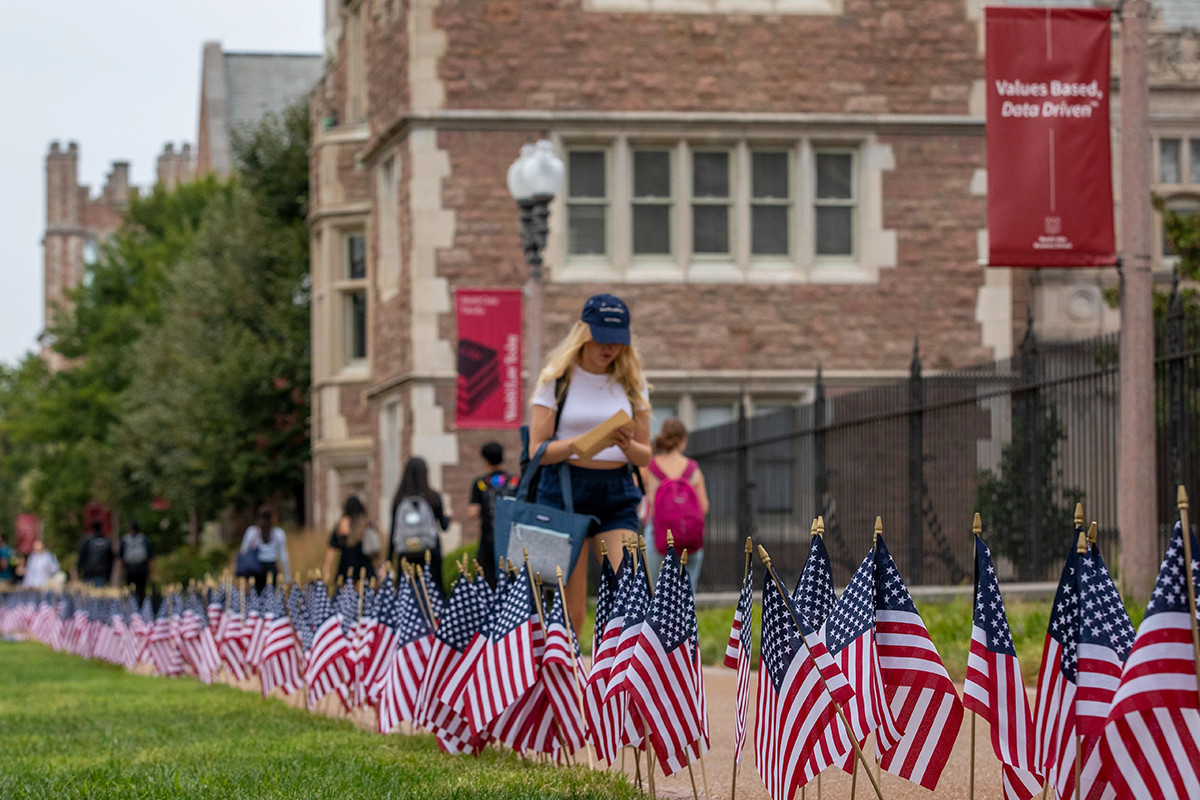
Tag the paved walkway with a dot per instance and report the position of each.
(721, 684)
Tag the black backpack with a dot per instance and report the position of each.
(96, 556)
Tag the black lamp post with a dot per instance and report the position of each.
(534, 179)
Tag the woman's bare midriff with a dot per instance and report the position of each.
(588, 463)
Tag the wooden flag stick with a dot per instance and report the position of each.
(419, 580)
(692, 778)
(745, 572)
(1191, 580)
(537, 599)
(976, 530)
(575, 667)
(1081, 547)
(854, 782)
(766, 559)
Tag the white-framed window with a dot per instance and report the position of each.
(771, 217)
(1170, 161)
(352, 286)
(712, 202)
(834, 202)
(652, 201)
(720, 210)
(587, 201)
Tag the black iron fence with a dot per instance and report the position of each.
(1020, 440)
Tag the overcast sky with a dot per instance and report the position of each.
(121, 78)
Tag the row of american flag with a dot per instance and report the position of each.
(1122, 705)
(1116, 711)
(481, 666)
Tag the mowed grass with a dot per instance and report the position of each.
(76, 729)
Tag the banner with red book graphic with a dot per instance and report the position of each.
(489, 357)
(1049, 162)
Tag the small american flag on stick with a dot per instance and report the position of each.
(994, 687)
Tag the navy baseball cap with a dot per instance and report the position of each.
(608, 318)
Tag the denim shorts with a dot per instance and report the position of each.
(610, 495)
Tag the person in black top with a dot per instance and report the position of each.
(136, 555)
(346, 542)
(414, 483)
(94, 564)
(485, 490)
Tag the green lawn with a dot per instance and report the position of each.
(949, 626)
(75, 729)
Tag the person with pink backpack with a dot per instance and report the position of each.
(676, 500)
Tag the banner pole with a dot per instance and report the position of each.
(766, 559)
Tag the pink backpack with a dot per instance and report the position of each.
(677, 509)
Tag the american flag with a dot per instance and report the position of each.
(280, 668)
(636, 606)
(994, 688)
(461, 622)
(197, 644)
(216, 608)
(229, 636)
(797, 733)
(660, 677)
(252, 629)
(527, 724)
(814, 595)
(562, 673)
(508, 666)
(1087, 642)
(326, 670)
(922, 698)
(738, 653)
(409, 640)
(849, 635)
(610, 723)
(1151, 743)
(383, 647)
(596, 683)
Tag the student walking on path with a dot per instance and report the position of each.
(418, 519)
(485, 490)
(676, 500)
(269, 542)
(94, 563)
(135, 556)
(354, 542)
(592, 374)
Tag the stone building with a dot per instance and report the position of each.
(76, 223)
(237, 90)
(772, 185)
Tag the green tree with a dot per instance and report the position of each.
(187, 348)
(1005, 503)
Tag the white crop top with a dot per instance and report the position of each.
(591, 399)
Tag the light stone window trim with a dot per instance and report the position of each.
(347, 287)
(873, 247)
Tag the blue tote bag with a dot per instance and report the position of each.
(552, 536)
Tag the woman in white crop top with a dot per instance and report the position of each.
(603, 375)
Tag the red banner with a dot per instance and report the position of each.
(1049, 163)
(489, 358)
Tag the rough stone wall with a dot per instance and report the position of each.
(898, 56)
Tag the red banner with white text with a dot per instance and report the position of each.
(1049, 162)
(489, 357)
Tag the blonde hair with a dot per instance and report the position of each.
(625, 369)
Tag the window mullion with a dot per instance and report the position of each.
(740, 228)
(620, 200)
(806, 190)
(684, 213)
